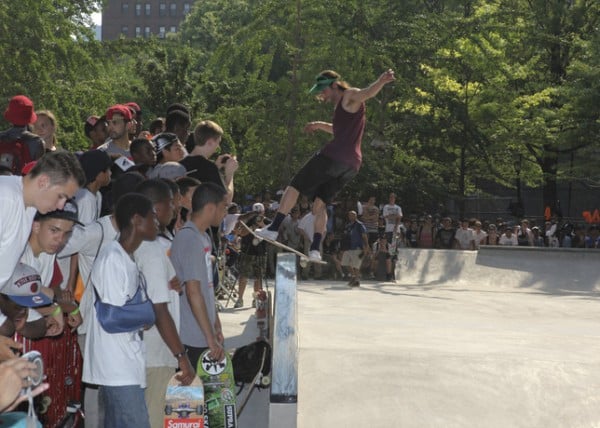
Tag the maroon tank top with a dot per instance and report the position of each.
(348, 129)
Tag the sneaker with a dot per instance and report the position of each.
(239, 304)
(354, 283)
(314, 255)
(265, 233)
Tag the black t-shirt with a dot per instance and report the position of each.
(247, 244)
(202, 169)
(445, 238)
(207, 172)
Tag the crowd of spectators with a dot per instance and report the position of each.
(386, 237)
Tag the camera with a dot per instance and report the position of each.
(38, 376)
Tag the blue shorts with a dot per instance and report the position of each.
(322, 177)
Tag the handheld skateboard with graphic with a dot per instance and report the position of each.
(304, 259)
(219, 390)
(184, 405)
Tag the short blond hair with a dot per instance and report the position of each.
(206, 130)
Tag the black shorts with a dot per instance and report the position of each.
(322, 177)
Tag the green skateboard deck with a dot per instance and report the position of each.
(219, 391)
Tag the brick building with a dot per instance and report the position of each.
(143, 18)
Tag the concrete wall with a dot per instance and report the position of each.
(546, 269)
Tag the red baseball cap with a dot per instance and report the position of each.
(121, 109)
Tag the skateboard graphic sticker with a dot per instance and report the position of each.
(184, 405)
(219, 391)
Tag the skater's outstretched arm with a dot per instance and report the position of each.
(353, 97)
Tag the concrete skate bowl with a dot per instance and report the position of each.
(566, 271)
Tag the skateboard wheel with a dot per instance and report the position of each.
(303, 263)
(265, 381)
(255, 241)
(199, 410)
(168, 409)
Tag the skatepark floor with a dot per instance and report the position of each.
(444, 355)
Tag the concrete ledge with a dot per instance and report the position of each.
(566, 270)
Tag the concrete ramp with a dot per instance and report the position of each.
(548, 269)
(496, 338)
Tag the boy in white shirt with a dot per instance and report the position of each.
(116, 361)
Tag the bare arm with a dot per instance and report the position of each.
(168, 333)
(311, 127)
(354, 97)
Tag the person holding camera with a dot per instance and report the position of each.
(207, 139)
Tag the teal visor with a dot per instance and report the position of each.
(322, 83)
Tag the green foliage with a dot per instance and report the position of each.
(500, 91)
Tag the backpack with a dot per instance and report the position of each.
(247, 361)
(14, 154)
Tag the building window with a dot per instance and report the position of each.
(173, 9)
(124, 8)
(138, 9)
(162, 9)
(173, 29)
(186, 8)
(147, 32)
(138, 31)
(124, 29)
(162, 32)
(148, 9)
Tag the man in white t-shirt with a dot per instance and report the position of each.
(51, 182)
(49, 234)
(392, 214)
(116, 362)
(465, 236)
(96, 164)
(508, 238)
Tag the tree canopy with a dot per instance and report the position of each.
(500, 94)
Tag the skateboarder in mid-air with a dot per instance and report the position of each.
(328, 171)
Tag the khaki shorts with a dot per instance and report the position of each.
(352, 258)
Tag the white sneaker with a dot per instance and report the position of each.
(314, 255)
(265, 233)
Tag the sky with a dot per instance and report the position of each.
(97, 18)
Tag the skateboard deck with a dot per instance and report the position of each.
(184, 405)
(259, 379)
(304, 259)
(263, 314)
(219, 391)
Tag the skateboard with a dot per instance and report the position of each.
(184, 405)
(304, 259)
(219, 391)
(259, 380)
(263, 314)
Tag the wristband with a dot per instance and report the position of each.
(180, 354)
(57, 311)
(74, 311)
